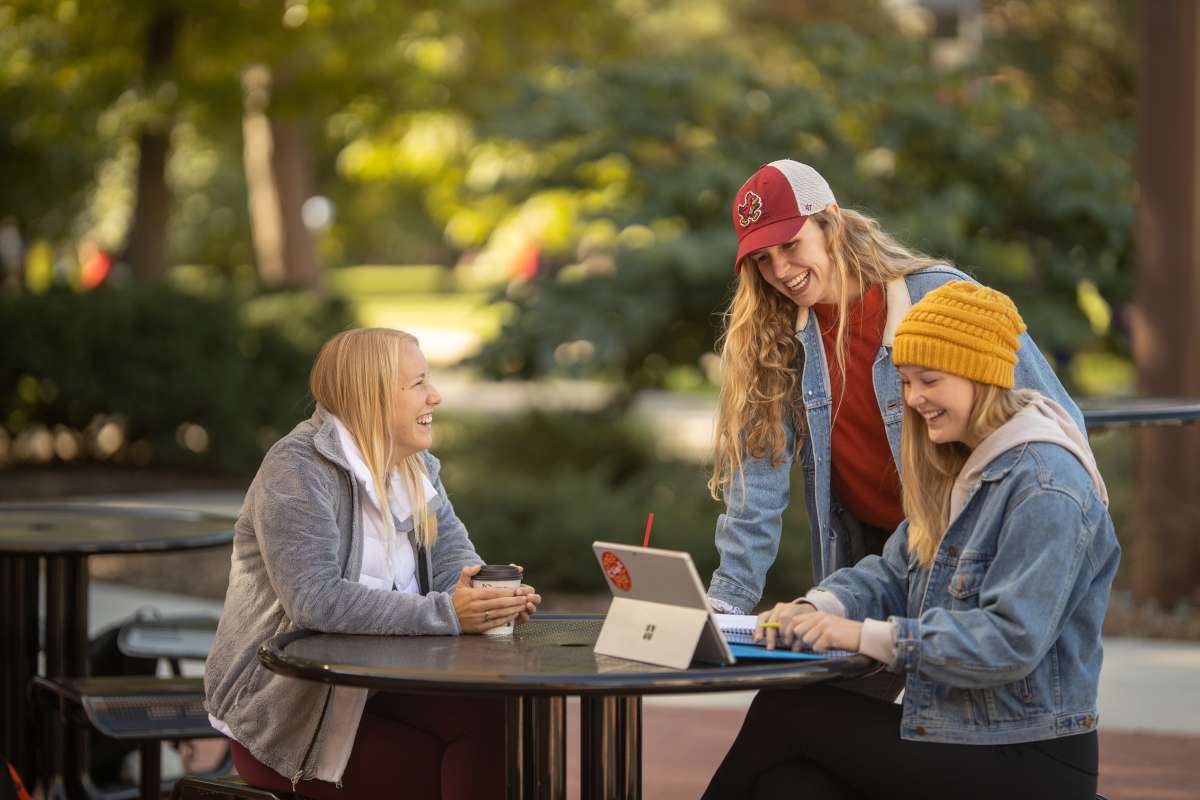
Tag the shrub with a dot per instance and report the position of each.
(539, 489)
(203, 378)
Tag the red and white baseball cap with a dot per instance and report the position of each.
(774, 204)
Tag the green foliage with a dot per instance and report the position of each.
(581, 128)
(1078, 56)
(77, 87)
(962, 164)
(1114, 451)
(538, 490)
(160, 359)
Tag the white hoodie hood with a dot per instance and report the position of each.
(1041, 420)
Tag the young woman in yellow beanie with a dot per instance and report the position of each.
(988, 599)
(807, 378)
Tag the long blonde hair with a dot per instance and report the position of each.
(356, 377)
(759, 348)
(930, 469)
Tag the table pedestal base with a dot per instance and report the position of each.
(535, 740)
(18, 665)
(610, 747)
(67, 656)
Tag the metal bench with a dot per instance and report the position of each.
(147, 710)
(170, 638)
(194, 788)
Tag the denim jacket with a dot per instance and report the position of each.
(999, 640)
(747, 534)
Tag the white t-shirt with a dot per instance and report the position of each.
(377, 572)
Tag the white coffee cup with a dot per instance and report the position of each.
(498, 576)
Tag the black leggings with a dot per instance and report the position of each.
(823, 743)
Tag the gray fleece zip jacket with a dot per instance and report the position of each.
(297, 554)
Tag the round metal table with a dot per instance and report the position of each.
(535, 669)
(64, 535)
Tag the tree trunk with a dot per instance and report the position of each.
(1166, 326)
(146, 246)
(278, 164)
(292, 163)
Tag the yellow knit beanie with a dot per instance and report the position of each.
(964, 329)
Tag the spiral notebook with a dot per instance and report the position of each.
(738, 630)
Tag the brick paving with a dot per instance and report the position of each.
(681, 748)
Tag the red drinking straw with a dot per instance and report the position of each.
(649, 522)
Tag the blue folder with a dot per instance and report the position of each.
(749, 652)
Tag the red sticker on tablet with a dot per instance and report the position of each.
(615, 571)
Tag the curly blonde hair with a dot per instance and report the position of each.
(759, 348)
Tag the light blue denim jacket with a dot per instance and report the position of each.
(747, 534)
(999, 640)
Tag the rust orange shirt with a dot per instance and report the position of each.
(864, 474)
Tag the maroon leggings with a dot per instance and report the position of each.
(415, 746)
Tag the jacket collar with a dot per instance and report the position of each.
(327, 442)
(325, 438)
(899, 301)
(398, 499)
(1040, 420)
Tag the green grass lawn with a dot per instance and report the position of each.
(470, 312)
(417, 297)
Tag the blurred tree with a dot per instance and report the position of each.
(409, 140)
(278, 163)
(145, 247)
(640, 160)
(593, 144)
(369, 102)
(1078, 57)
(1167, 342)
(56, 92)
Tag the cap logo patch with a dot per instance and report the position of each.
(750, 209)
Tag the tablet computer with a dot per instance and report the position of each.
(660, 613)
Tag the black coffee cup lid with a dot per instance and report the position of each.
(498, 572)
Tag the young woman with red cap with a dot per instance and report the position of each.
(806, 358)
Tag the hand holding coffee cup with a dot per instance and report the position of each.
(532, 597)
(489, 599)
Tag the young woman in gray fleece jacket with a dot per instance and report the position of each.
(347, 528)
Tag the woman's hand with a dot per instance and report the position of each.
(778, 618)
(480, 609)
(822, 631)
(532, 598)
